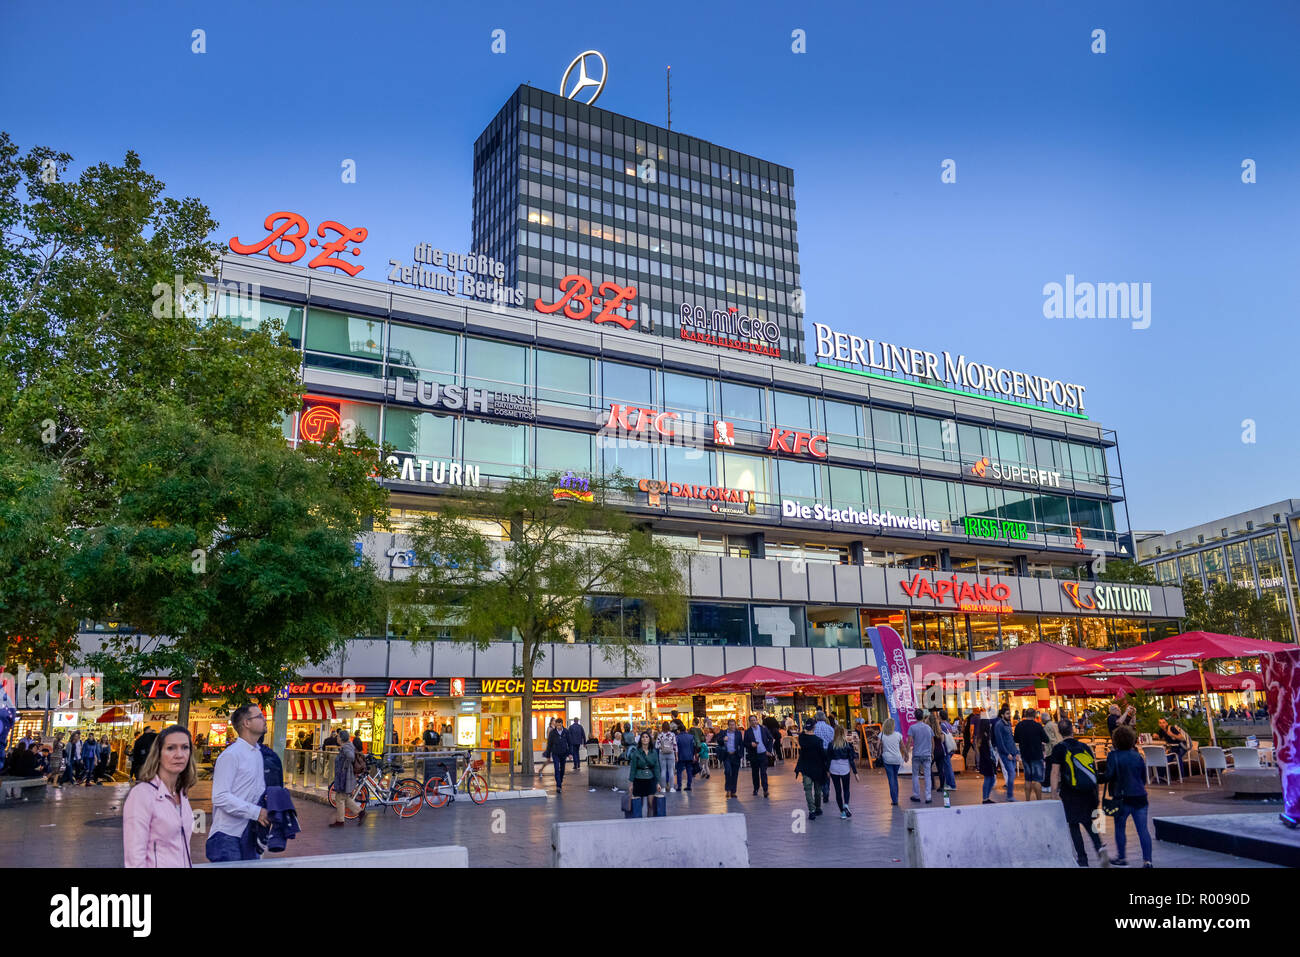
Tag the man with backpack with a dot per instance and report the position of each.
(1078, 790)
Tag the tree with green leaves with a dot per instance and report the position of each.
(145, 474)
(1123, 570)
(531, 582)
(1231, 609)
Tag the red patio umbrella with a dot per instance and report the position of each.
(942, 664)
(1197, 646)
(1077, 686)
(114, 715)
(1039, 659)
(633, 690)
(852, 679)
(679, 686)
(759, 676)
(1126, 683)
(1190, 681)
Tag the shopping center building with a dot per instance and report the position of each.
(1258, 549)
(961, 502)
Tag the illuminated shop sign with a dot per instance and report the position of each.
(514, 686)
(730, 330)
(460, 398)
(170, 688)
(289, 228)
(851, 516)
(890, 360)
(578, 303)
(318, 421)
(1106, 597)
(798, 443)
(573, 487)
(1015, 473)
(436, 471)
(715, 495)
(995, 528)
(629, 418)
(724, 433)
(987, 598)
(472, 275)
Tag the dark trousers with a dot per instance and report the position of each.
(731, 767)
(575, 749)
(227, 847)
(1078, 818)
(558, 764)
(758, 770)
(689, 768)
(841, 782)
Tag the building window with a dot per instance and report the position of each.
(422, 434)
(422, 353)
(559, 450)
(833, 627)
(719, 624)
(1019, 630)
(499, 449)
(344, 343)
(778, 626)
(564, 379)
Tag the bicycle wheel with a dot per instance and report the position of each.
(437, 791)
(361, 797)
(408, 796)
(476, 785)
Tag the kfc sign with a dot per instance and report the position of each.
(628, 418)
(724, 433)
(458, 687)
(798, 443)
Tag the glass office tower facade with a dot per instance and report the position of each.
(563, 188)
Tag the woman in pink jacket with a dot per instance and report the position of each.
(157, 820)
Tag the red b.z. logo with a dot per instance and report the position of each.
(286, 227)
(577, 302)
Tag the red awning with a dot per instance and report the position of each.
(633, 690)
(113, 715)
(1190, 646)
(1189, 682)
(683, 686)
(312, 709)
(759, 677)
(1038, 659)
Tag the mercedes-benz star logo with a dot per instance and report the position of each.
(584, 81)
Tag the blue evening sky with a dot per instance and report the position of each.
(1122, 166)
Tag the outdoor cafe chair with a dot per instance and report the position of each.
(1156, 757)
(1213, 759)
(1244, 758)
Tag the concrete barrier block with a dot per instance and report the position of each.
(693, 840)
(451, 856)
(1023, 834)
(607, 776)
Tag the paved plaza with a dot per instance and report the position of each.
(80, 827)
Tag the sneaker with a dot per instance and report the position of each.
(916, 799)
(1146, 864)
(987, 801)
(336, 823)
(764, 794)
(848, 813)
(1119, 863)
(928, 801)
(844, 815)
(1103, 856)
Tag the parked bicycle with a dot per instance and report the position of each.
(403, 795)
(439, 789)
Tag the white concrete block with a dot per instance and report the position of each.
(692, 840)
(452, 856)
(1023, 834)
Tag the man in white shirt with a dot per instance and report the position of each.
(238, 782)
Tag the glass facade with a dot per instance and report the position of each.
(563, 188)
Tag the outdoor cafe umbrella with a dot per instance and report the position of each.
(1039, 659)
(680, 686)
(634, 690)
(850, 679)
(1077, 686)
(758, 677)
(1197, 646)
(1190, 681)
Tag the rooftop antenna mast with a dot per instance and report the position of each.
(670, 97)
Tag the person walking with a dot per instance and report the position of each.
(774, 728)
(56, 760)
(1030, 738)
(824, 730)
(891, 756)
(1004, 741)
(942, 756)
(140, 751)
(731, 744)
(758, 746)
(986, 758)
(970, 736)
(557, 749)
(920, 745)
(157, 820)
(643, 768)
(687, 759)
(238, 783)
(812, 765)
(345, 780)
(1126, 772)
(1078, 791)
(89, 757)
(666, 745)
(72, 763)
(840, 763)
(577, 741)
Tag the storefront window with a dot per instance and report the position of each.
(844, 424)
(742, 405)
(690, 466)
(420, 433)
(899, 493)
(559, 450)
(975, 445)
(1095, 634)
(627, 384)
(934, 440)
(1126, 632)
(831, 627)
(1062, 631)
(748, 472)
(1239, 569)
(892, 432)
(422, 353)
(983, 632)
(718, 624)
(1167, 572)
(496, 366)
(564, 379)
(687, 393)
(1190, 567)
(344, 343)
(1215, 573)
(1054, 511)
(1018, 630)
(778, 626)
(1008, 447)
(1017, 506)
(499, 449)
(941, 499)
(355, 416)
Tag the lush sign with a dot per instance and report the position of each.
(461, 398)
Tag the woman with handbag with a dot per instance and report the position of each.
(986, 762)
(642, 772)
(1126, 771)
(944, 746)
